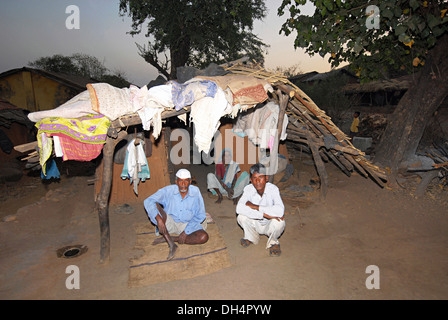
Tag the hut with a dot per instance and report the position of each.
(244, 88)
(35, 89)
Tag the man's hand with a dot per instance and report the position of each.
(182, 237)
(252, 206)
(270, 217)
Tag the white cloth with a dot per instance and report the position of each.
(260, 124)
(110, 101)
(57, 147)
(205, 114)
(136, 159)
(253, 228)
(156, 100)
(76, 107)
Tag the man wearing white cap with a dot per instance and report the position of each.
(183, 213)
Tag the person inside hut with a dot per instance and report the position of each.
(225, 181)
(261, 211)
(354, 128)
(178, 209)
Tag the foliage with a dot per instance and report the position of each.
(408, 29)
(83, 65)
(289, 71)
(196, 32)
(329, 95)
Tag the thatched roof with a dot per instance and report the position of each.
(307, 124)
(390, 85)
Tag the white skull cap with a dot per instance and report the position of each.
(183, 174)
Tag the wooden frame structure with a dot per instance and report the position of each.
(307, 125)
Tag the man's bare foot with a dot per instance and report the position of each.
(173, 249)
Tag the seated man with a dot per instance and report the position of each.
(183, 213)
(224, 181)
(261, 211)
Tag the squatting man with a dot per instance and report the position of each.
(178, 209)
(261, 211)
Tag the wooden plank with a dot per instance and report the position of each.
(26, 147)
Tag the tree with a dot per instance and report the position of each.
(83, 65)
(56, 63)
(378, 37)
(195, 32)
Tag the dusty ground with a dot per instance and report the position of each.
(327, 245)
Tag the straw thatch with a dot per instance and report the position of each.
(307, 125)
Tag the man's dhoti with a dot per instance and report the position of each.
(174, 227)
(253, 228)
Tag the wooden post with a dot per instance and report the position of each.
(283, 102)
(319, 166)
(102, 201)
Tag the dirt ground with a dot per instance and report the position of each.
(326, 247)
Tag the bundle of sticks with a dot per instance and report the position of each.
(310, 126)
(33, 156)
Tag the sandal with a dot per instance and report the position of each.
(245, 243)
(275, 251)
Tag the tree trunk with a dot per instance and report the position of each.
(405, 129)
(179, 53)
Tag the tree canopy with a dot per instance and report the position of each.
(196, 32)
(83, 65)
(393, 34)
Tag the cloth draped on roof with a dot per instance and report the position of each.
(84, 133)
(246, 90)
(260, 125)
(76, 107)
(187, 93)
(210, 99)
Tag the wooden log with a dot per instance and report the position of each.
(134, 119)
(320, 168)
(102, 201)
(336, 160)
(356, 165)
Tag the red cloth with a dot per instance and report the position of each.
(75, 150)
(220, 170)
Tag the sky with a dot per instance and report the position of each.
(30, 29)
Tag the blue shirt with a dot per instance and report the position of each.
(190, 210)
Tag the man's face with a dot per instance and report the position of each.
(183, 184)
(259, 182)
